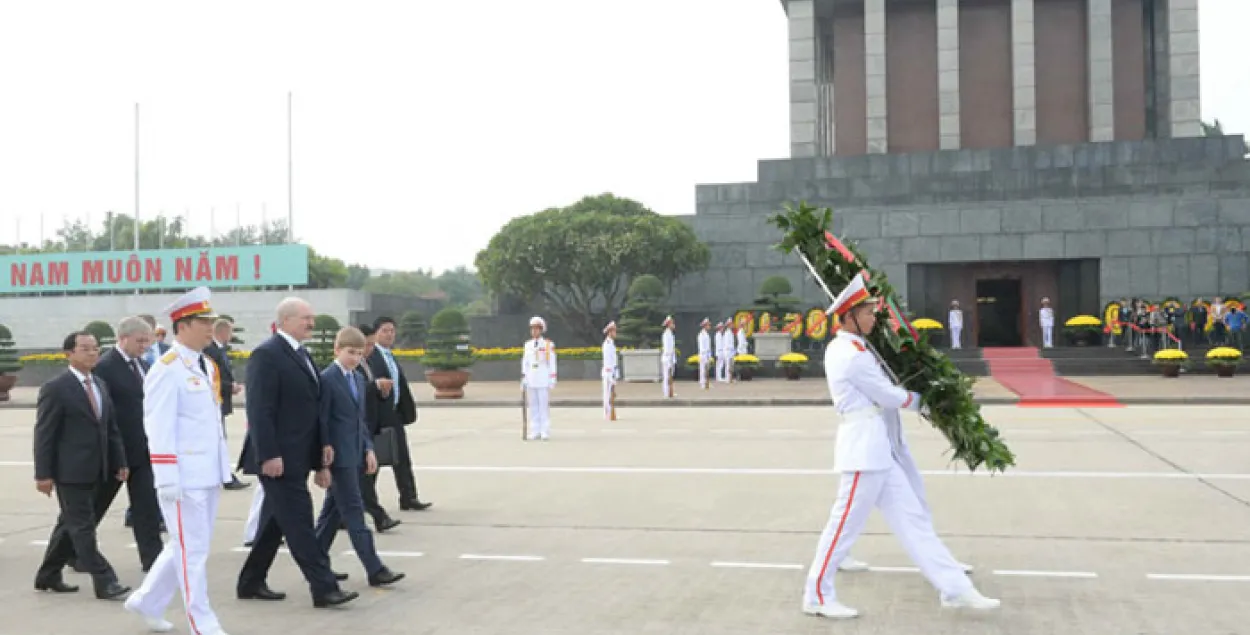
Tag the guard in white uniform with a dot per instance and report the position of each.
(538, 374)
(729, 344)
(705, 352)
(610, 370)
(868, 457)
(190, 462)
(1046, 316)
(722, 362)
(743, 347)
(668, 356)
(956, 324)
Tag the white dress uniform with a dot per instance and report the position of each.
(668, 356)
(705, 352)
(190, 462)
(722, 362)
(728, 346)
(611, 371)
(538, 371)
(1046, 316)
(868, 455)
(956, 324)
(743, 347)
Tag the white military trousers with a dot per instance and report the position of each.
(1048, 335)
(253, 515)
(704, 362)
(889, 490)
(608, 383)
(666, 377)
(539, 411)
(182, 566)
(722, 367)
(956, 336)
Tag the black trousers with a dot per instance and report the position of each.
(343, 505)
(369, 496)
(405, 481)
(288, 513)
(145, 511)
(74, 534)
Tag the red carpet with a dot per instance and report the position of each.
(1032, 377)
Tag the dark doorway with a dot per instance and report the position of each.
(998, 313)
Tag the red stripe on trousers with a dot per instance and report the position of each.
(186, 579)
(850, 500)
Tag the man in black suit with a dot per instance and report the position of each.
(216, 350)
(397, 410)
(288, 442)
(78, 452)
(373, 401)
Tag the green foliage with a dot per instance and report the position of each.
(577, 259)
(103, 332)
(640, 324)
(448, 345)
(943, 389)
(411, 330)
(321, 347)
(775, 297)
(9, 361)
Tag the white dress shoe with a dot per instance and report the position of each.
(834, 610)
(971, 599)
(966, 567)
(154, 624)
(851, 564)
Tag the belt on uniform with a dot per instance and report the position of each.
(861, 414)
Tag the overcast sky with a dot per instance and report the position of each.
(421, 126)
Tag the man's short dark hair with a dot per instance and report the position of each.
(367, 329)
(71, 340)
(381, 321)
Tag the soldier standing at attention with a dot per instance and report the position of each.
(705, 352)
(610, 372)
(867, 456)
(730, 344)
(190, 462)
(668, 356)
(743, 347)
(538, 375)
(718, 349)
(1046, 317)
(956, 323)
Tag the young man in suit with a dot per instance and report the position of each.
(283, 389)
(373, 401)
(397, 410)
(223, 329)
(342, 406)
(79, 453)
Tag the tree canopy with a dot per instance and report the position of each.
(579, 260)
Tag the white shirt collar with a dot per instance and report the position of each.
(81, 377)
(289, 340)
(346, 373)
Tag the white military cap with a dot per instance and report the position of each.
(667, 320)
(193, 303)
(854, 294)
(720, 325)
(611, 325)
(539, 322)
(705, 322)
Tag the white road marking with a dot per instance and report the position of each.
(133, 545)
(39, 543)
(673, 431)
(249, 549)
(389, 554)
(623, 561)
(758, 565)
(784, 431)
(1046, 574)
(473, 556)
(728, 431)
(1197, 577)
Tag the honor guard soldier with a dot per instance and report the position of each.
(955, 320)
(705, 352)
(743, 347)
(182, 419)
(610, 372)
(538, 373)
(1046, 318)
(868, 457)
(668, 356)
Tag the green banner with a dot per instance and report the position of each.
(244, 266)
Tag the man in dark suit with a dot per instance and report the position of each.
(397, 410)
(216, 350)
(342, 413)
(373, 400)
(78, 452)
(288, 442)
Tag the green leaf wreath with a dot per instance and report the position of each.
(920, 367)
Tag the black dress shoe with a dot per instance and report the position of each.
(56, 586)
(415, 506)
(263, 592)
(385, 577)
(386, 524)
(112, 591)
(236, 484)
(248, 544)
(340, 576)
(334, 598)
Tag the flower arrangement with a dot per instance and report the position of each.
(792, 364)
(945, 392)
(927, 324)
(415, 354)
(747, 359)
(1083, 329)
(1224, 360)
(693, 360)
(1171, 360)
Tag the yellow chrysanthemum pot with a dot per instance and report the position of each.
(1170, 361)
(792, 365)
(1224, 360)
(927, 324)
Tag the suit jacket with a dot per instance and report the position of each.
(219, 357)
(282, 407)
(343, 416)
(71, 445)
(373, 398)
(390, 414)
(125, 389)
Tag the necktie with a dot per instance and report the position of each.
(308, 359)
(95, 406)
(203, 368)
(390, 366)
(351, 383)
(134, 365)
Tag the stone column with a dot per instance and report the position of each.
(1100, 71)
(1184, 86)
(1023, 73)
(876, 123)
(948, 74)
(803, 93)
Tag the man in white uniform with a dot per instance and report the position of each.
(956, 324)
(868, 456)
(728, 351)
(538, 375)
(1046, 316)
(668, 356)
(705, 352)
(743, 347)
(610, 372)
(182, 419)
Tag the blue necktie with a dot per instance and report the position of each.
(390, 366)
(351, 383)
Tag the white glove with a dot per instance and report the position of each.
(169, 493)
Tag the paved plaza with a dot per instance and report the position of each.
(703, 520)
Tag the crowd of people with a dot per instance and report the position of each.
(1149, 327)
(152, 416)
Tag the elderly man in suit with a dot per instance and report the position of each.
(79, 453)
(217, 350)
(283, 391)
(399, 409)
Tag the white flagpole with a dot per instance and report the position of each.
(138, 226)
(263, 210)
(290, 173)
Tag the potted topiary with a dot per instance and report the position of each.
(9, 363)
(746, 365)
(776, 302)
(1171, 361)
(640, 328)
(1224, 360)
(448, 354)
(1083, 330)
(792, 364)
(103, 333)
(321, 347)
